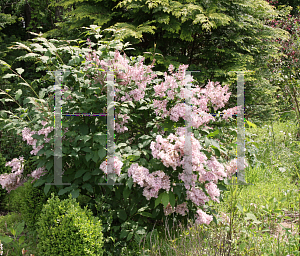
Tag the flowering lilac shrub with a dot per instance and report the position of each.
(149, 145)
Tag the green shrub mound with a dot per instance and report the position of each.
(64, 228)
(28, 201)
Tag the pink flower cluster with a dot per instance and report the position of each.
(213, 191)
(170, 154)
(214, 93)
(152, 182)
(13, 180)
(117, 166)
(218, 95)
(207, 170)
(129, 76)
(203, 218)
(197, 196)
(231, 111)
(136, 78)
(234, 166)
(67, 89)
(27, 136)
(36, 174)
(124, 119)
(179, 209)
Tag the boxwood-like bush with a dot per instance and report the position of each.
(64, 228)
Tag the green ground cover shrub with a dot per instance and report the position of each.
(10, 219)
(28, 201)
(64, 228)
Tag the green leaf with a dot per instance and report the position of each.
(101, 153)
(20, 228)
(75, 193)
(20, 70)
(4, 63)
(88, 187)
(126, 192)
(250, 216)
(146, 143)
(217, 152)
(95, 157)
(212, 134)
(146, 214)
(129, 236)
(250, 124)
(133, 158)
(101, 138)
(6, 100)
(143, 209)
(240, 207)
(122, 215)
(142, 108)
(222, 187)
(46, 189)
(18, 94)
(87, 176)
(42, 93)
(177, 191)
(6, 239)
(84, 129)
(116, 228)
(215, 143)
(9, 75)
(64, 190)
(172, 198)
(123, 233)
(87, 149)
(44, 59)
(21, 240)
(122, 145)
(13, 231)
(141, 231)
(49, 165)
(129, 182)
(145, 137)
(165, 199)
(158, 200)
(88, 157)
(79, 173)
(96, 172)
(86, 138)
(39, 183)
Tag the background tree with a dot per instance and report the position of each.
(213, 36)
(286, 68)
